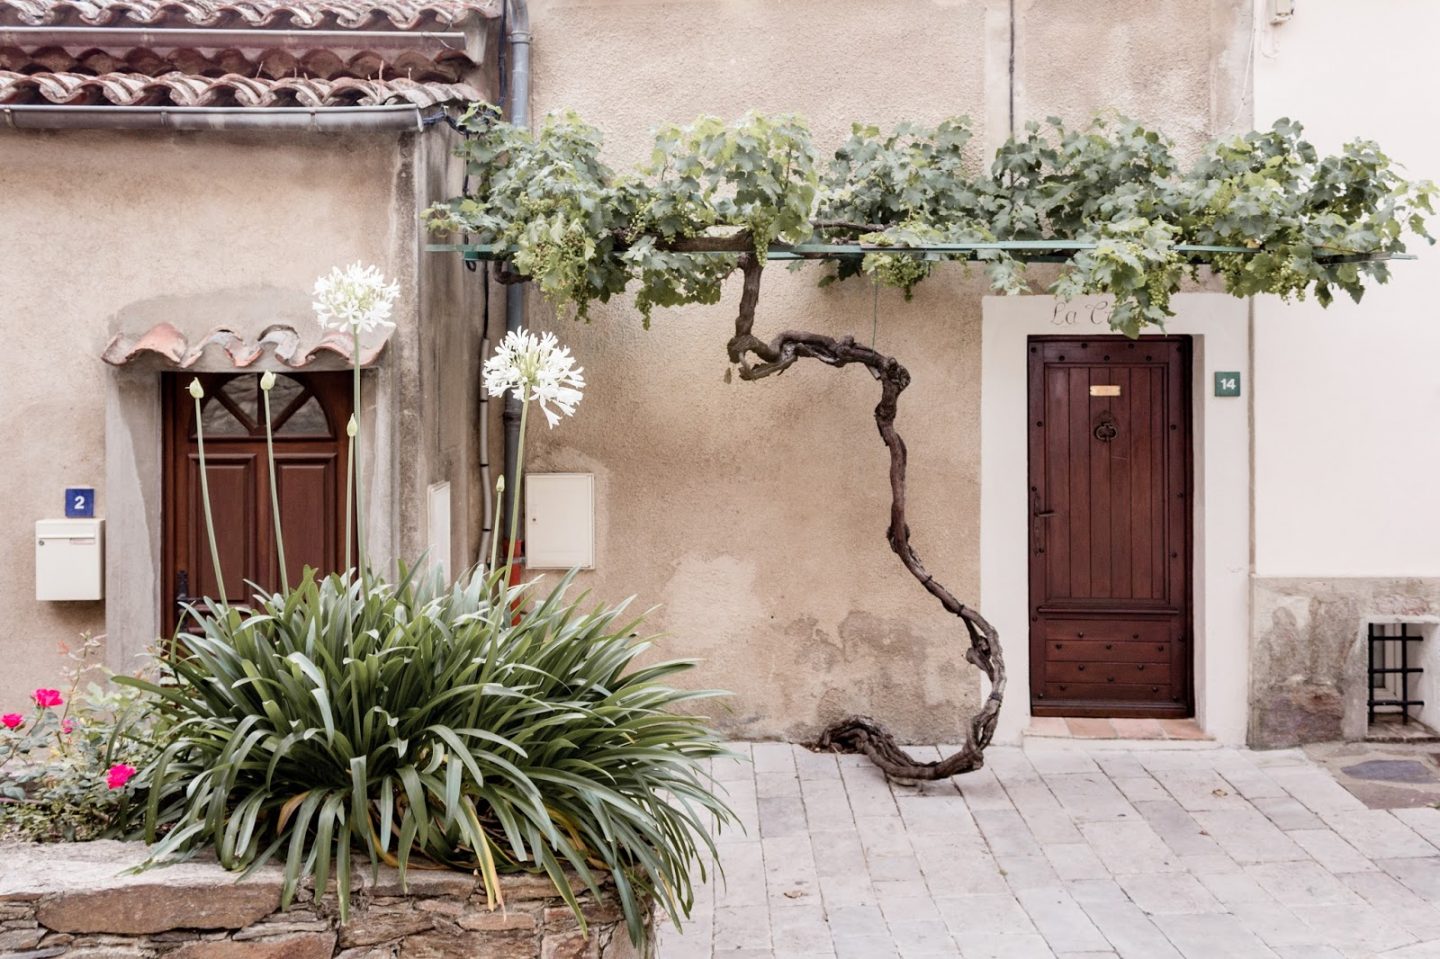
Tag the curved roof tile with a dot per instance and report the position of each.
(231, 90)
(299, 14)
(173, 349)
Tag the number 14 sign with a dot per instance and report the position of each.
(1227, 384)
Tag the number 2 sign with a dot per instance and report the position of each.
(80, 502)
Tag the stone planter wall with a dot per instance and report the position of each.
(79, 901)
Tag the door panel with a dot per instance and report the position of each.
(309, 413)
(1110, 526)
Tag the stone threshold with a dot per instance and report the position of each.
(1169, 731)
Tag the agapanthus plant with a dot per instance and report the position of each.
(481, 725)
(536, 369)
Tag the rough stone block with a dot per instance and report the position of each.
(497, 920)
(138, 909)
(469, 945)
(301, 946)
(1291, 715)
(366, 929)
(569, 946)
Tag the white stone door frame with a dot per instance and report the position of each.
(1220, 327)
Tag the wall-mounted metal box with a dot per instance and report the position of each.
(560, 520)
(69, 559)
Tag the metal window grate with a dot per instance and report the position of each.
(1390, 669)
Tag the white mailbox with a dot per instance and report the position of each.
(560, 525)
(69, 561)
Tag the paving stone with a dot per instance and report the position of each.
(1212, 936)
(1075, 861)
(1061, 920)
(991, 946)
(1027, 872)
(1301, 884)
(1140, 788)
(1420, 876)
(1130, 931)
(1064, 849)
(1287, 812)
(1332, 852)
(1378, 835)
(742, 927)
(1177, 828)
(1090, 797)
(1006, 833)
(1130, 847)
(773, 758)
(865, 947)
(800, 930)
(1248, 836)
(1354, 928)
(924, 938)
(782, 816)
(993, 913)
(1392, 899)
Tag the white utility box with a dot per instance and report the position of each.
(560, 520)
(69, 559)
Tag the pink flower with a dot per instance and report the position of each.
(67, 726)
(12, 720)
(118, 775)
(45, 698)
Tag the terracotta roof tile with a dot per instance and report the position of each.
(450, 66)
(298, 14)
(173, 349)
(231, 90)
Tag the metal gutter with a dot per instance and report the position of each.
(517, 111)
(393, 118)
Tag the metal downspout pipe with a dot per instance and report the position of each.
(517, 111)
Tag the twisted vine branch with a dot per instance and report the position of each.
(861, 733)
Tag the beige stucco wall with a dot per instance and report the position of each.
(102, 228)
(755, 512)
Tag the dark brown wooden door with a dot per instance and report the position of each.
(309, 413)
(1110, 556)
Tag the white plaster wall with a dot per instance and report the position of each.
(1219, 325)
(1346, 399)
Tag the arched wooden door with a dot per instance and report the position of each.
(309, 413)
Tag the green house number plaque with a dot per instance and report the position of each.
(1227, 384)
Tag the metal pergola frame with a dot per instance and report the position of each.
(1031, 251)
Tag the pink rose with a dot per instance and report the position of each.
(118, 775)
(12, 720)
(67, 726)
(45, 698)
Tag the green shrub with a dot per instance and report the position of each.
(483, 728)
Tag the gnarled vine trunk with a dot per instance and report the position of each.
(861, 733)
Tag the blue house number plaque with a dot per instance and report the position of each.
(80, 502)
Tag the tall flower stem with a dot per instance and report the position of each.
(197, 392)
(265, 384)
(515, 494)
(355, 465)
(495, 540)
(350, 430)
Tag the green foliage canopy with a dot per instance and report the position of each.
(671, 229)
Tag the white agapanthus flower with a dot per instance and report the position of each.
(355, 299)
(536, 368)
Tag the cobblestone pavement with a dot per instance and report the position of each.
(1065, 848)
